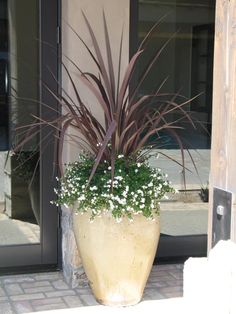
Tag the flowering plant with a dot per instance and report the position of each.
(136, 188)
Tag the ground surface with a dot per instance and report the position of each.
(49, 291)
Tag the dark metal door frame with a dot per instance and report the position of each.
(45, 253)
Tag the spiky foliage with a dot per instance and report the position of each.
(132, 126)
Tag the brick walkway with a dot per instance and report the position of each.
(47, 291)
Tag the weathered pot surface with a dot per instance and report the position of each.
(117, 257)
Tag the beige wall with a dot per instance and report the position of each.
(117, 14)
(223, 153)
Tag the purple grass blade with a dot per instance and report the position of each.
(110, 61)
(100, 60)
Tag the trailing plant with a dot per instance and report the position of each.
(136, 188)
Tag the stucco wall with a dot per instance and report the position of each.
(117, 15)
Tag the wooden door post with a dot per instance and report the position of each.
(223, 151)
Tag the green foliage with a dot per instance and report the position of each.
(136, 188)
(25, 165)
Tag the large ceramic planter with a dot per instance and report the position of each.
(117, 257)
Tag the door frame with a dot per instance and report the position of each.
(44, 254)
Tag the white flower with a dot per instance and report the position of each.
(81, 198)
(136, 170)
(138, 164)
(109, 168)
(93, 188)
(143, 200)
(142, 206)
(150, 184)
(120, 156)
(120, 178)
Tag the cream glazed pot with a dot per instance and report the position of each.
(117, 257)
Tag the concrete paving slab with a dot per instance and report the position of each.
(30, 293)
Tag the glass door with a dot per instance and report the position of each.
(28, 48)
(187, 66)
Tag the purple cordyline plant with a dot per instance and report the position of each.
(132, 126)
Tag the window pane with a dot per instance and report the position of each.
(186, 64)
(19, 172)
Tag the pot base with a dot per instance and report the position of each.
(115, 303)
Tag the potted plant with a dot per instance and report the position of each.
(25, 177)
(204, 193)
(116, 222)
(114, 192)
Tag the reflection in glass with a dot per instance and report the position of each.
(19, 172)
(187, 64)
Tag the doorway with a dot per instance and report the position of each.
(28, 62)
(186, 66)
